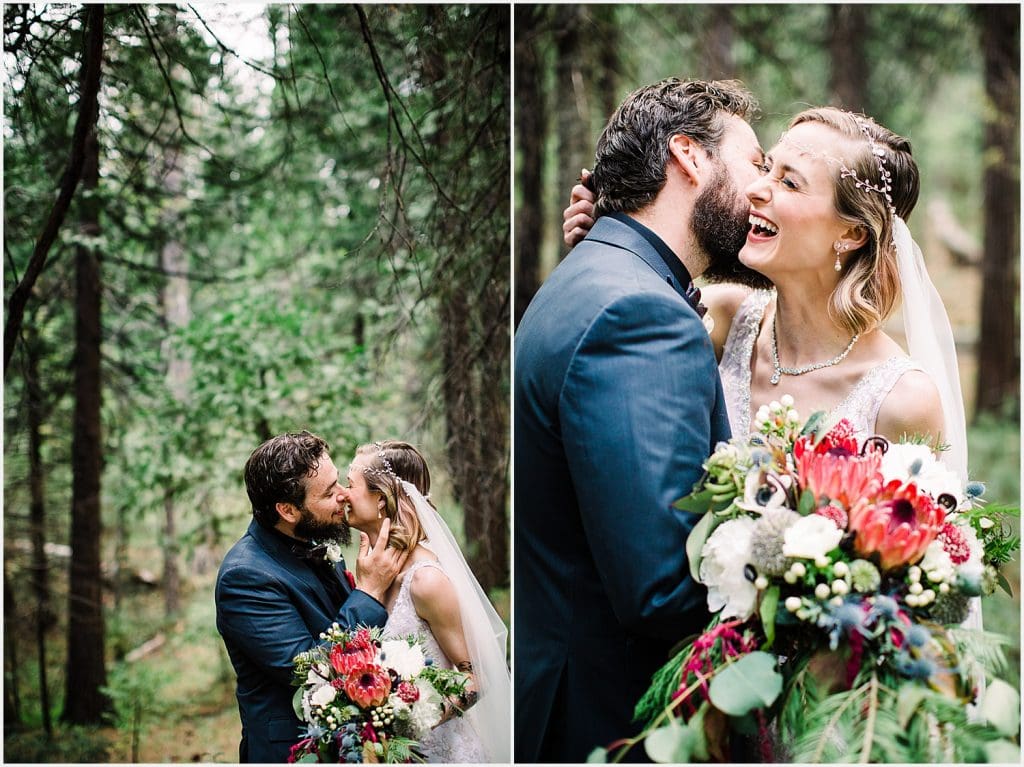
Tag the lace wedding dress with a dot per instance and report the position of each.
(455, 741)
(860, 406)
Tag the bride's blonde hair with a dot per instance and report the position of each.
(391, 462)
(869, 288)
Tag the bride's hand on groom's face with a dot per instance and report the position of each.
(377, 567)
(578, 218)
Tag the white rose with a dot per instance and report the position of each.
(811, 537)
(937, 561)
(425, 712)
(405, 660)
(931, 476)
(323, 695)
(724, 557)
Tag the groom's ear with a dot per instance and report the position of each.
(287, 512)
(688, 157)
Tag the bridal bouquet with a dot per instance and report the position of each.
(838, 574)
(368, 699)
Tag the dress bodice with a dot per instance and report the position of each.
(455, 741)
(860, 406)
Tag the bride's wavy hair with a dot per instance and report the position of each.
(391, 462)
(869, 289)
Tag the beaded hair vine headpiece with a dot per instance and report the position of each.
(883, 187)
(387, 470)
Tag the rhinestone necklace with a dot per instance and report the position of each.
(780, 371)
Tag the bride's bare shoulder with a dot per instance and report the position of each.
(911, 409)
(723, 301)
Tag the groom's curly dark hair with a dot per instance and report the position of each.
(276, 472)
(632, 151)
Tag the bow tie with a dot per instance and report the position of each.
(692, 296)
(316, 553)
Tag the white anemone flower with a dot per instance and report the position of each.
(723, 560)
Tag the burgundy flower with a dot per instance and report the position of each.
(834, 513)
(408, 692)
(955, 543)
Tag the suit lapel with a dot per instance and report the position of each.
(608, 231)
(281, 551)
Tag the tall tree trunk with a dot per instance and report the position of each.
(531, 129)
(12, 696)
(721, 64)
(575, 148)
(849, 77)
(608, 64)
(174, 263)
(37, 520)
(86, 671)
(998, 380)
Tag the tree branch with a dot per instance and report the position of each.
(87, 103)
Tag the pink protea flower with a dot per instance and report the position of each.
(837, 473)
(955, 543)
(898, 523)
(839, 517)
(356, 652)
(368, 686)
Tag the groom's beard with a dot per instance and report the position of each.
(312, 529)
(720, 224)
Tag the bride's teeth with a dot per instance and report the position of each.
(761, 223)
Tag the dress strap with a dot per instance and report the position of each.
(736, 358)
(865, 399)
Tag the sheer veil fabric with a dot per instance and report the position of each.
(930, 344)
(484, 630)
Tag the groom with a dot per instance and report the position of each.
(617, 404)
(276, 591)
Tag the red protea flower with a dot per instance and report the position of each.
(356, 652)
(408, 692)
(955, 543)
(838, 474)
(368, 685)
(898, 523)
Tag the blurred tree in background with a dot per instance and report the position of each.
(222, 224)
(946, 76)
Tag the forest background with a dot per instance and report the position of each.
(222, 223)
(945, 76)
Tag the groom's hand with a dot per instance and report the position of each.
(578, 218)
(377, 567)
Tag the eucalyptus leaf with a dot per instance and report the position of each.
(910, 697)
(597, 756)
(768, 609)
(672, 744)
(746, 684)
(1002, 752)
(1000, 706)
(695, 542)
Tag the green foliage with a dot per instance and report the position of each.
(746, 684)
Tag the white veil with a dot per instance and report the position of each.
(930, 344)
(485, 634)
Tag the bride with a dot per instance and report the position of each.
(436, 596)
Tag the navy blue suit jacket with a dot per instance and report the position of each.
(617, 404)
(270, 607)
